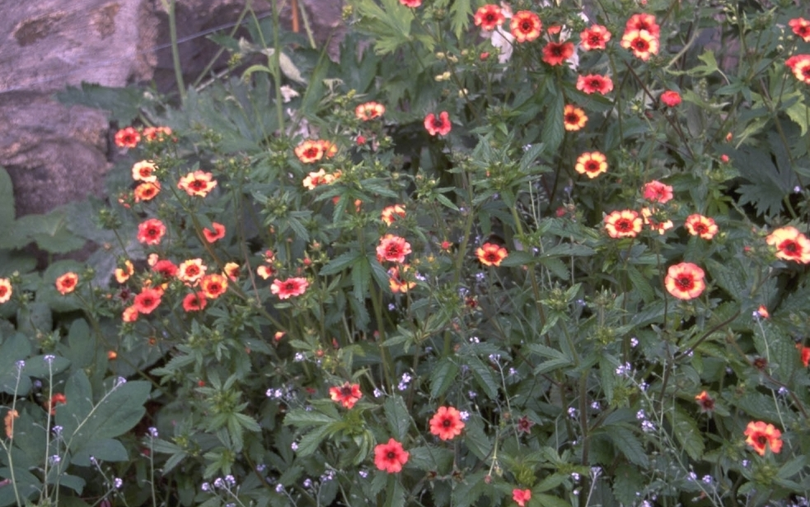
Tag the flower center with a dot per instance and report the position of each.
(685, 282)
(624, 225)
(789, 246)
(641, 45)
(447, 423)
(391, 455)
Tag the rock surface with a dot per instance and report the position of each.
(56, 153)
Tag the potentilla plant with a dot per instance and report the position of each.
(527, 254)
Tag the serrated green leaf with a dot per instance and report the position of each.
(687, 433)
(800, 114)
(122, 104)
(483, 376)
(442, 377)
(309, 443)
(395, 494)
(627, 482)
(460, 11)
(304, 418)
(340, 263)
(628, 444)
(397, 417)
(553, 130)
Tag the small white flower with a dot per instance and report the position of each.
(707, 479)
(464, 415)
(647, 426)
(298, 357)
(641, 415)
(279, 488)
(117, 483)
(294, 446)
(153, 432)
(49, 358)
(634, 342)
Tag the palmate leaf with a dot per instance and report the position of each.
(769, 182)
(391, 24)
(460, 12)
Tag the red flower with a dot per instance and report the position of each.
(595, 37)
(214, 285)
(804, 352)
(197, 183)
(347, 394)
(390, 457)
(555, 53)
(309, 151)
(649, 217)
(231, 270)
(489, 17)
(217, 233)
(395, 281)
(165, 268)
(56, 399)
(791, 245)
(156, 133)
(761, 435)
(594, 83)
(130, 314)
(316, 179)
(698, 225)
(573, 118)
(591, 164)
(446, 423)
(393, 249)
(623, 224)
(705, 401)
(656, 191)
(413, 4)
(151, 231)
(5, 290)
(123, 274)
(369, 111)
(671, 98)
(391, 213)
(643, 22)
(525, 26)
(801, 27)
(194, 302)
(290, 287)
(762, 312)
(641, 43)
(127, 138)
(685, 280)
(521, 496)
(147, 300)
(491, 254)
(440, 126)
(265, 271)
(66, 283)
(144, 171)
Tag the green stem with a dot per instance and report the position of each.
(169, 5)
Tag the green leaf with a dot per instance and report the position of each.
(484, 377)
(627, 443)
(442, 377)
(104, 450)
(15, 347)
(627, 482)
(553, 130)
(309, 443)
(395, 495)
(6, 203)
(303, 418)
(123, 104)
(397, 417)
(460, 11)
(340, 263)
(550, 501)
(469, 490)
(477, 441)
(799, 113)
(687, 433)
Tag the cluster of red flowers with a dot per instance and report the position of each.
(129, 137)
(641, 36)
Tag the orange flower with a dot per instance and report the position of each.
(216, 234)
(761, 435)
(643, 22)
(698, 225)
(438, 126)
(671, 98)
(390, 213)
(66, 283)
(491, 254)
(594, 83)
(56, 399)
(156, 133)
(804, 352)
(5, 290)
(127, 138)
(521, 496)
(151, 231)
(147, 191)
(685, 280)
(762, 312)
(112, 355)
(9, 420)
(574, 118)
(705, 401)
(591, 164)
(393, 249)
(347, 394)
(130, 314)
(801, 27)
(194, 302)
(265, 272)
(396, 283)
(623, 224)
(290, 287)
(369, 111)
(214, 285)
(648, 215)
(556, 53)
(144, 171)
(316, 179)
(641, 43)
(147, 300)
(446, 423)
(198, 183)
(309, 151)
(525, 26)
(489, 17)
(329, 148)
(123, 274)
(231, 270)
(390, 457)
(191, 271)
(656, 191)
(791, 245)
(595, 37)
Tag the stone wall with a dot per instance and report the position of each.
(55, 153)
